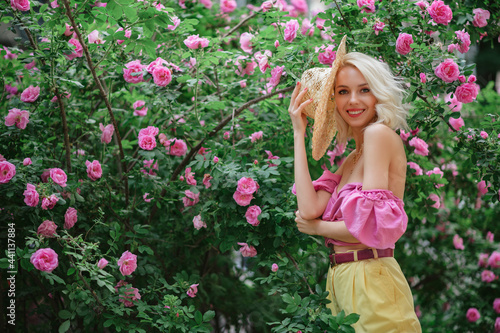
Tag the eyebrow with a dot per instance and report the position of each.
(362, 84)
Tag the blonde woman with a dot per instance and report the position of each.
(358, 209)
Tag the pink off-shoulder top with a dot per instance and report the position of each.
(375, 217)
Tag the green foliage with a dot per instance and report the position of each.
(234, 292)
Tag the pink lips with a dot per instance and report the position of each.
(355, 114)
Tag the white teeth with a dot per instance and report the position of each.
(355, 112)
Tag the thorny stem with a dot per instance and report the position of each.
(103, 94)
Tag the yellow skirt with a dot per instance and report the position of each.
(377, 290)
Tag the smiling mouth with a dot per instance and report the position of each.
(354, 112)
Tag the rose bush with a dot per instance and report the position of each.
(176, 215)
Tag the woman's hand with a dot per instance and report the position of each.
(309, 227)
(299, 120)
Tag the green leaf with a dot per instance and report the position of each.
(64, 326)
(351, 319)
(70, 272)
(198, 317)
(64, 314)
(209, 315)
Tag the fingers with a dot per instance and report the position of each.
(298, 101)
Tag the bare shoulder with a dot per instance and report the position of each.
(381, 137)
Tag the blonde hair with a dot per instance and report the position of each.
(384, 86)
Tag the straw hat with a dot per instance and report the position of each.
(319, 82)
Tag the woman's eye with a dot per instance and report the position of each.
(365, 90)
(343, 92)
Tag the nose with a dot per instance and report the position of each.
(353, 98)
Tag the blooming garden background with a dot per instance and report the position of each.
(146, 163)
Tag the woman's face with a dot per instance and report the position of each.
(355, 101)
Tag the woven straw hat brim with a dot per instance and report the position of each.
(319, 82)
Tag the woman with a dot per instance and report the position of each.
(359, 98)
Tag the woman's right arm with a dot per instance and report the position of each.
(311, 204)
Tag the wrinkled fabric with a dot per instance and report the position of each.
(375, 217)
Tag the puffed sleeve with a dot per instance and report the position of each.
(375, 217)
(328, 182)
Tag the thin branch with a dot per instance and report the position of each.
(210, 134)
(298, 270)
(65, 128)
(241, 23)
(103, 94)
(343, 18)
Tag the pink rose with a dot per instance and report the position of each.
(291, 28)
(496, 305)
(454, 105)
(403, 43)
(138, 111)
(17, 117)
(490, 236)
(245, 67)
(78, 51)
(378, 26)
(488, 276)
(107, 132)
(467, 92)
(367, 5)
(276, 76)
(300, 6)
(247, 185)
(47, 229)
(31, 196)
(27, 161)
(176, 147)
(245, 42)
(423, 78)
(162, 76)
(58, 176)
(45, 176)
(128, 33)
(193, 289)
(483, 260)
(94, 170)
(247, 250)
(22, 5)
(434, 197)
(440, 12)
(416, 167)
(242, 199)
(195, 41)
(94, 38)
(252, 214)
(127, 263)
(422, 4)
(150, 130)
(480, 17)
(456, 123)
(227, 6)
(277, 43)
(463, 41)
(198, 223)
(421, 147)
(327, 57)
(102, 263)
(147, 142)
(206, 180)
(473, 315)
(45, 260)
(207, 3)
(274, 267)
(176, 21)
(7, 171)
(266, 5)
(243, 83)
(191, 198)
(30, 94)
(404, 136)
(447, 71)
(132, 73)
(49, 202)
(482, 188)
(494, 260)
(131, 294)
(70, 218)
(216, 159)
(256, 136)
(189, 177)
(145, 197)
(458, 242)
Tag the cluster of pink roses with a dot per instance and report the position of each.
(147, 137)
(244, 192)
(159, 70)
(195, 41)
(174, 146)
